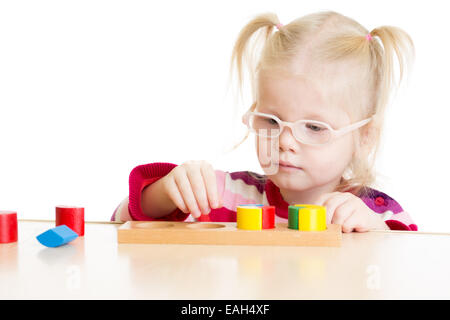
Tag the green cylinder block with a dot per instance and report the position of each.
(293, 217)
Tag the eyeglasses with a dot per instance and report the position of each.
(308, 132)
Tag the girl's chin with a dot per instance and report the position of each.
(287, 177)
(284, 182)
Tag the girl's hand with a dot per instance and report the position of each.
(192, 187)
(350, 212)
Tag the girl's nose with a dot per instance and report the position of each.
(287, 140)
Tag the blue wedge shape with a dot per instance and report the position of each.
(57, 236)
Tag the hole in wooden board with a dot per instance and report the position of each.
(154, 225)
(205, 225)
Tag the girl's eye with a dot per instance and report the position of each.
(271, 121)
(315, 127)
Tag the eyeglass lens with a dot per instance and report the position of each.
(305, 131)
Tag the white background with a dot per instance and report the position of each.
(90, 89)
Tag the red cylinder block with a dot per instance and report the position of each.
(268, 217)
(73, 217)
(204, 218)
(8, 226)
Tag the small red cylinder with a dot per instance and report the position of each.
(204, 218)
(73, 217)
(268, 217)
(8, 226)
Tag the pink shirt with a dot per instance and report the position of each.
(238, 188)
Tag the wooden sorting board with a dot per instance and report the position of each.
(224, 233)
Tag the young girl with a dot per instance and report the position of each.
(320, 88)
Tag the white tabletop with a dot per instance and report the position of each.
(373, 265)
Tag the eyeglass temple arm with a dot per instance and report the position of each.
(352, 127)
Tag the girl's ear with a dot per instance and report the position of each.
(369, 136)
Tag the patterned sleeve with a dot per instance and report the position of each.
(394, 215)
(142, 176)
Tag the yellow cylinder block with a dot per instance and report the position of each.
(249, 217)
(312, 217)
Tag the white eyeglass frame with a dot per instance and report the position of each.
(334, 133)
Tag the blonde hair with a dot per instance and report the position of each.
(330, 37)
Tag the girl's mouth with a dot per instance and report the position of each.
(288, 167)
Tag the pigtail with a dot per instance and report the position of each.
(395, 43)
(249, 43)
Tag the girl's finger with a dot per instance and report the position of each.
(184, 186)
(209, 179)
(198, 187)
(343, 211)
(354, 222)
(334, 202)
(175, 195)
